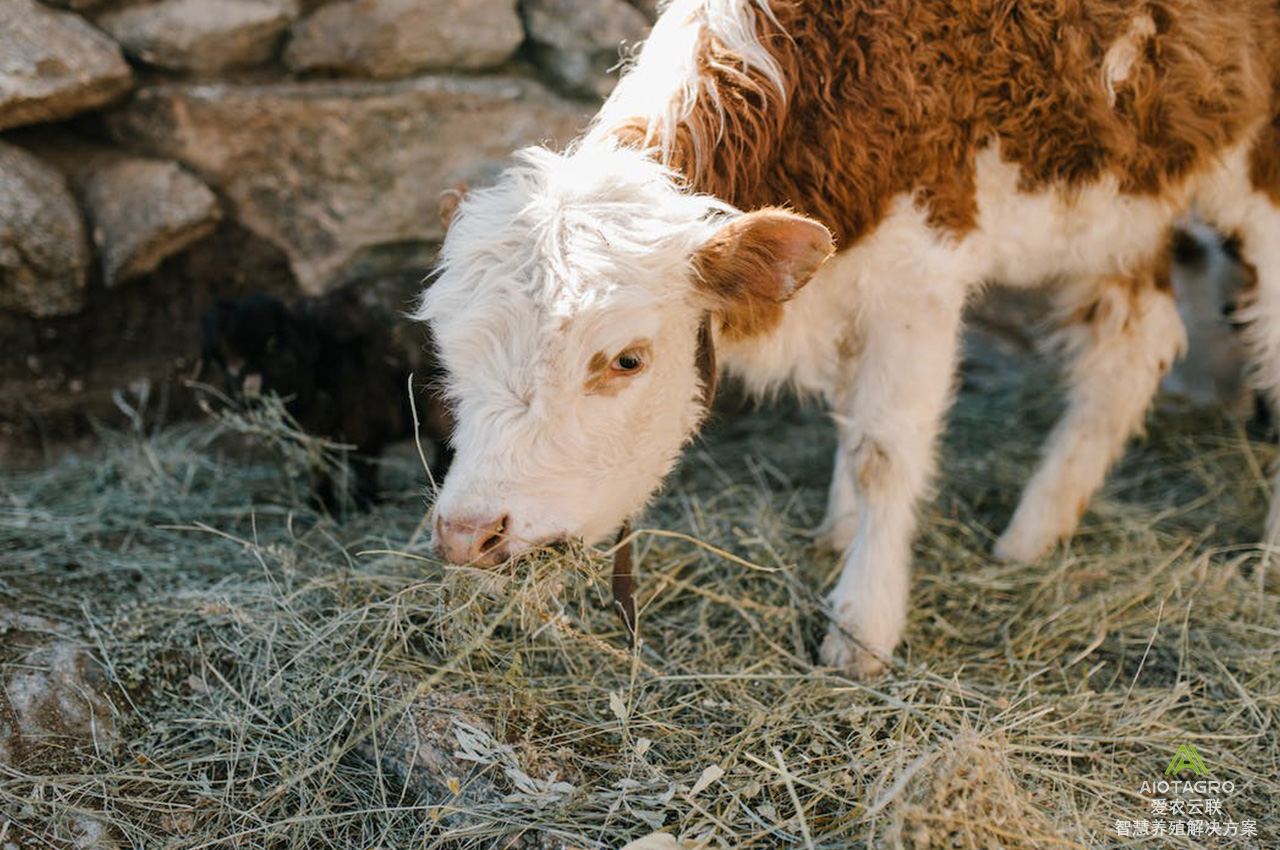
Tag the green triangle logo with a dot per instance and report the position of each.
(1186, 758)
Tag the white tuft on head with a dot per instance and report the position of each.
(665, 83)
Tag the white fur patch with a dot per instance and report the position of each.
(1120, 57)
(1029, 238)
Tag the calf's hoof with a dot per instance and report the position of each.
(1018, 547)
(842, 653)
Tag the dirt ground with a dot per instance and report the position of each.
(256, 675)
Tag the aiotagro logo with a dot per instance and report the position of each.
(1186, 758)
(1187, 808)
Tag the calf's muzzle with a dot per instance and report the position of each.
(473, 541)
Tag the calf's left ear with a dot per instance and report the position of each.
(769, 253)
(449, 200)
(754, 263)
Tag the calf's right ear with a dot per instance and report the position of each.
(753, 264)
(449, 200)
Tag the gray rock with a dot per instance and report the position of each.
(143, 211)
(43, 255)
(395, 38)
(53, 64)
(17, 631)
(418, 747)
(52, 691)
(56, 694)
(14, 622)
(85, 831)
(201, 35)
(74, 4)
(53, 710)
(578, 41)
(344, 176)
(648, 7)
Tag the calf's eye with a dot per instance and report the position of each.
(628, 362)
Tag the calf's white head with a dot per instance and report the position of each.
(571, 309)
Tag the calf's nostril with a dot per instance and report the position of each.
(494, 540)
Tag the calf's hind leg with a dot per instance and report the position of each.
(1121, 335)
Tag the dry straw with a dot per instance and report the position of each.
(289, 682)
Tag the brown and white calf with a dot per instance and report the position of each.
(812, 189)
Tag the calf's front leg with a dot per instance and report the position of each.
(888, 417)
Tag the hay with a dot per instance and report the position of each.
(288, 682)
(268, 422)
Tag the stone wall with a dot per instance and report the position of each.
(155, 156)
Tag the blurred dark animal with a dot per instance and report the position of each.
(1213, 285)
(342, 370)
(1209, 280)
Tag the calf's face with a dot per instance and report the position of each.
(571, 311)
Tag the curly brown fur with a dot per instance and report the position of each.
(891, 96)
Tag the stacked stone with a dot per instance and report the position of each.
(131, 130)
